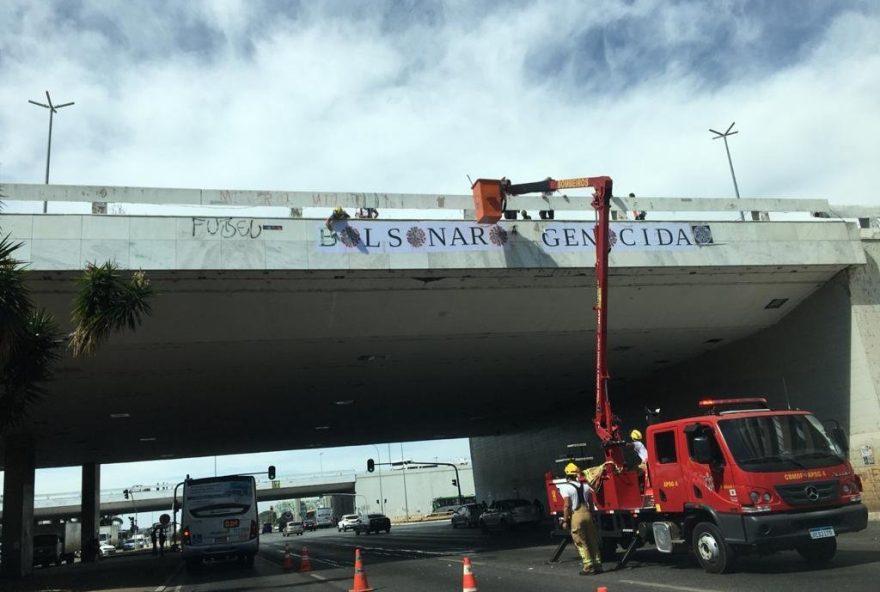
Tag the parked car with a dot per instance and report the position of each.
(106, 549)
(293, 528)
(467, 516)
(48, 549)
(267, 528)
(504, 514)
(347, 523)
(372, 523)
(310, 524)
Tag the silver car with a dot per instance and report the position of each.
(509, 513)
(293, 528)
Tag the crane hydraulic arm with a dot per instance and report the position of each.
(490, 196)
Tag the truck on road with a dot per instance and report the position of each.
(740, 478)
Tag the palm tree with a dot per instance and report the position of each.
(30, 338)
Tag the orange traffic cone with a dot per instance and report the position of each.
(602, 589)
(468, 581)
(287, 562)
(305, 562)
(360, 577)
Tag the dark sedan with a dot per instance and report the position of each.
(373, 523)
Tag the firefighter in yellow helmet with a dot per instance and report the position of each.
(639, 447)
(577, 516)
(338, 214)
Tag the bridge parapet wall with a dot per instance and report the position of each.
(69, 242)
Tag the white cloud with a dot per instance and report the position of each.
(232, 94)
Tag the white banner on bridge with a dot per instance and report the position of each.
(407, 236)
(643, 236)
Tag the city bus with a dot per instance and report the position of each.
(219, 519)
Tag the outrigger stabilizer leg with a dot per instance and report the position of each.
(629, 551)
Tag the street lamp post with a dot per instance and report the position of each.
(381, 494)
(53, 109)
(403, 470)
(729, 160)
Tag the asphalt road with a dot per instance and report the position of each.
(429, 557)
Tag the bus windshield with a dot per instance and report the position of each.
(767, 443)
(219, 497)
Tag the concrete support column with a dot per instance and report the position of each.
(18, 507)
(91, 509)
(864, 391)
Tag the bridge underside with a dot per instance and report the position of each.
(246, 361)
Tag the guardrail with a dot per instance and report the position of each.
(296, 201)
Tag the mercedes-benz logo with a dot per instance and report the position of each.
(812, 493)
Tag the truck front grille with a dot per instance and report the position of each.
(813, 492)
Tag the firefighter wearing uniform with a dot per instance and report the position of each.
(577, 514)
(639, 447)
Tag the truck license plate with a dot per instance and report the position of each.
(822, 533)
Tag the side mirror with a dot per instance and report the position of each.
(702, 450)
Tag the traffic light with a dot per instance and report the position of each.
(125, 493)
(371, 465)
(454, 482)
(271, 472)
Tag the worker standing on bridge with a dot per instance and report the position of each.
(576, 514)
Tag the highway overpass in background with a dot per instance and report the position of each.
(273, 333)
(160, 496)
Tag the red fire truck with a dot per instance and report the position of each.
(739, 478)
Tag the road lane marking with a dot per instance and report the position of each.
(318, 577)
(168, 580)
(666, 586)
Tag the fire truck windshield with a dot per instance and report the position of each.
(767, 443)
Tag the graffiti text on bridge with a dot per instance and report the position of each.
(227, 227)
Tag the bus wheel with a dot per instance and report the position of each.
(818, 551)
(710, 548)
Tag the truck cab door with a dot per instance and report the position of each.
(707, 473)
(665, 470)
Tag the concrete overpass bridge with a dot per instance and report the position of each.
(161, 496)
(417, 329)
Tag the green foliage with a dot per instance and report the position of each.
(30, 337)
(15, 300)
(105, 303)
(28, 341)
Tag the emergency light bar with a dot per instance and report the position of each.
(710, 404)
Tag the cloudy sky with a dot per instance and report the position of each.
(412, 96)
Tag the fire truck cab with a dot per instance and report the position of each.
(742, 478)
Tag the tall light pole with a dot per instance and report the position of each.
(53, 109)
(729, 160)
(403, 470)
(381, 495)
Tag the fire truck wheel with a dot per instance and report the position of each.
(818, 551)
(710, 548)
